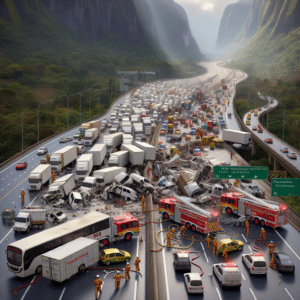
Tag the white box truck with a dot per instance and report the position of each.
(136, 155)
(135, 118)
(62, 158)
(112, 141)
(119, 159)
(150, 151)
(39, 177)
(91, 136)
(147, 125)
(99, 152)
(96, 124)
(138, 130)
(107, 175)
(61, 188)
(64, 261)
(126, 127)
(89, 184)
(236, 137)
(29, 217)
(84, 166)
(127, 139)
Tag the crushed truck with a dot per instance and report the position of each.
(90, 184)
(74, 257)
(236, 137)
(260, 211)
(150, 151)
(39, 177)
(107, 175)
(119, 159)
(187, 186)
(193, 217)
(136, 155)
(60, 188)
(112, 141)
(62, 158)
(28, 217)
(99, 152)
(90, 137)
(84, 166)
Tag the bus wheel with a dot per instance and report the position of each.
(193, 228)
(256, 221)
(81, 268)
(166, 216)
(128, 237)
(39, 270)
(188, 225)
(229, 210)
(104, 242)
(262, 222)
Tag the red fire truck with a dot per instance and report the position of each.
(182, 211)
(263, 212)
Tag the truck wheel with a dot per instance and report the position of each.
(193, 228)
(39, 270)
(40, 226)
(128, 237)
(166, 215)
(229, 210)
(262, 222)
(188, 225)
(108, 263)
(28, 229)
(81, 268)
(256, 221)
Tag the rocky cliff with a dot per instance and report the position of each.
(141, 22)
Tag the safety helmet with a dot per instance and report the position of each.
(118, 272)
(271, 242)
(128, 263)
(97, 276)
(262, 228)
(137, 256)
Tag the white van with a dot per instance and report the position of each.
(228, 274)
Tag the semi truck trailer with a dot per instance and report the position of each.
(236, 137)
(62, 158)
(99, 152)
(84, 166)
(112, 141)
(119, 159)
(90, 137)
(150, 151)
(107, 175)
(136, 155)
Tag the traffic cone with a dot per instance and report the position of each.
(141, 240)
(272, 263)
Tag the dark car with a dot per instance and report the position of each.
(21, 165)
(284, 262)
(182, 261)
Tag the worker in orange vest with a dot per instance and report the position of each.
(22, 196)
(127, 271)
(173, 233)
(262, 235)
(225, 253)
(48, 158)
(143, 202)
(271, 247)
(137, 263)
(98, 284)
(53, 177)
(118, 278)
(169, 239)
(208, 240)
(215, 246)
(247, 224)
(182, 229)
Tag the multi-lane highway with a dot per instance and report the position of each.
(171, 284)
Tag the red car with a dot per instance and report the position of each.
(259, 109)
(162, 132)
(269, 141)
(21, 165)
(178, 118)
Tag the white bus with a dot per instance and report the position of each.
(24, 257)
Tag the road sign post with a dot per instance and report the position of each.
(237, 172)
(285, 187)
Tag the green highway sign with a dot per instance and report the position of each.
(237, 172)
(285, 187)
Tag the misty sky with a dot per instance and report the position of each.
(205, 17)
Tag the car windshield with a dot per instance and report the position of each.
(6, 213)
(122, 252)
(196, 282)
(284, 257)
(21, 220)
(87, 184)
(183, 260)
(260, 264)
(58, 214)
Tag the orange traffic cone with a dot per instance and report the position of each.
(141, 240)
(272, 263)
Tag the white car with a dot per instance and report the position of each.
(56, 216)
(255, 263)
(193, 283)
(42, 151)
(228, 274)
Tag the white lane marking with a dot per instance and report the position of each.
(252, 294)
(287, 244)
(289, 293)
(11, 172)
(206, 256)
(243, 276)
(6, 236)
(219, 293)
(2, 189)
(15, 179)
(202, 246)
(32, 201)
(250, 248)
(135, 290)
(62, 294)
(137, 246)
(244, 238)
(3, 178)
(33, 279)
(20, 176)
(9, 184)
(165, 269)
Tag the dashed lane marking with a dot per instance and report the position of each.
(289, 294)
(2, 189)
(244, 238)
(165, 268)
(252, 294)
(8, 184)
(62, 294)
(243, 276)
(219, 293)
(6, 236)
(206, 256)
(13, 188)
(33, 279)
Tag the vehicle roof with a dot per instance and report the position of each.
(182, 254)
(194, 276)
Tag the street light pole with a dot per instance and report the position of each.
(283, 120)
